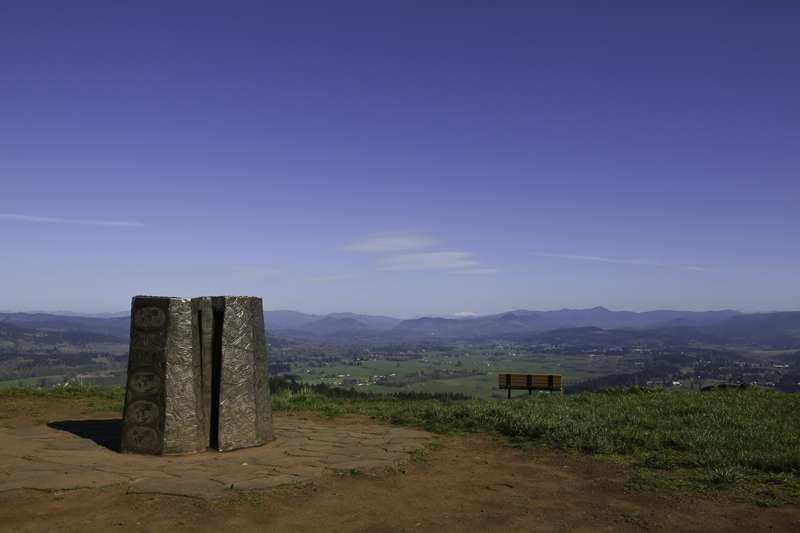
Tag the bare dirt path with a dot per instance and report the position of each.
(353, 479)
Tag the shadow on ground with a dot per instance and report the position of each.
(106, 433)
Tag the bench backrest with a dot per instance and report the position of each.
(530, 381)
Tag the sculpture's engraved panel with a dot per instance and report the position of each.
(244, 415)
(182, 412)
(143, 421)
(261, 381)
(153, 342)
(143, 358)
(150, 318)
(237, 414)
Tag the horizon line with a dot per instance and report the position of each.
(452, 315)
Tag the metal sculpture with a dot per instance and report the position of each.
(197, 375)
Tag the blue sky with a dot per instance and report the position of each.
(387, 157)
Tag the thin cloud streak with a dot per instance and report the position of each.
(429, 261)
(621, 261)
(402, 252)
(480, 270)
(79, 221)
(257, 272)
(335, 277)
(391, 242)
(701, 269)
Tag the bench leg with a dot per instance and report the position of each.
(509, 393)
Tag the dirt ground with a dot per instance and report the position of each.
(348, 474)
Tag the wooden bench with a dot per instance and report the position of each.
(531, 382)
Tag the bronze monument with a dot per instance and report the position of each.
(197, 375)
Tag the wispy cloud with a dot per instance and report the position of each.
(479, 270)
(391, 242)
(254, 272)
(465, 314)
(429, 261)
(81, 221)
(622, 261)
(335, 277)
(701, 269)
(402, 252)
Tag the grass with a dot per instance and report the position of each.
(751, 429)
(743, 444)
(95, 398)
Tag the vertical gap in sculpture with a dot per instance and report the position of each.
(200, 345)
(216, 371)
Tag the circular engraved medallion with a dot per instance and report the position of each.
(143, 412)
(142, 439)
(145, 383)
(149, 318)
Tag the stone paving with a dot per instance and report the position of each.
(74, 454)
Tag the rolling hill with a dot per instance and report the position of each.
(726, 325)
(523, 322)
(118, 327)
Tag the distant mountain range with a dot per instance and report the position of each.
(511, 322)
(522, 322)
(19, 339)
(330, 324)
(116, 326)
(518, 324)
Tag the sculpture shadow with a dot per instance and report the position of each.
(106, 433)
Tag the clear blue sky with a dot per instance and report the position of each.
(382, 157)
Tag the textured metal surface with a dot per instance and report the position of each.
(244, 417)
(264, 431)
(197, 375)
(183, 411)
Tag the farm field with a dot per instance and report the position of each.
(41, 381)
(471, 376)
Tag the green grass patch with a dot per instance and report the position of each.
(710, 442)
(95, 398)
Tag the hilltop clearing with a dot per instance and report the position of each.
(590, 462)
